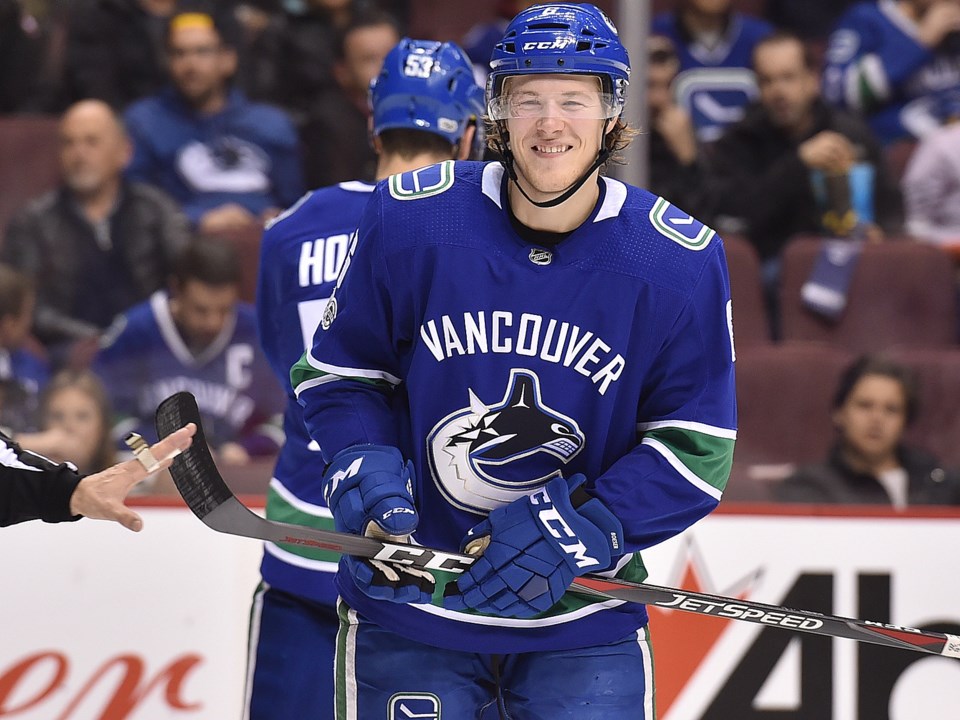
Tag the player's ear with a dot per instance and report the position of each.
(463, 149)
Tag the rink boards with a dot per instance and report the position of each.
(97, 623)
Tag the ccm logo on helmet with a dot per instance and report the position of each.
(558, 44)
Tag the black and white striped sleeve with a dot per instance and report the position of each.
(33, 487)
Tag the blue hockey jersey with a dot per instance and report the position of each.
(495, 365)
(300, 255)
(143, 360)
(876, 65)
(247, 153)
(715, 82)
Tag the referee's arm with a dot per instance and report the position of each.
(33, 487)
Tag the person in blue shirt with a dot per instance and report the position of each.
(896, 62)
(527, 360)
(425, 108)
(199, 337)
(229, 162)
(714, 44)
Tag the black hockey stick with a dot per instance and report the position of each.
(207, 495)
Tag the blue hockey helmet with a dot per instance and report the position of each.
(429, 86)
(562, 38)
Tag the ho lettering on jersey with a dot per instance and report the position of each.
(321, 259)
(525, 335)
(488, 454)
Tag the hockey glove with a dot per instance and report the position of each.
(537, 545)
(369, 490)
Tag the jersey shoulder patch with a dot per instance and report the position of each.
(684, 229)
(422, 183)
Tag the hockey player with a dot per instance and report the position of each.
(897, 62)
(425, 109)
(531, 361)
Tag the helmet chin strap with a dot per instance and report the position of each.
(508, 163)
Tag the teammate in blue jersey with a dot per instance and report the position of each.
(898, 63)
(715, 45)
(426, 108)
(529, 357)
(200, 338)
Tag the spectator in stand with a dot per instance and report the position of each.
(229, 162)
(892, 60)
(336, 137)
(931, 185)
(765, 169)
(875, 401)
(714, 43)
(97, 230)
(298, 58)
(23, 373)
(76, 414)
(197, 337)
(115, 49)
(675, 170)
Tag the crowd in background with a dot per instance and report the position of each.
(185, 125)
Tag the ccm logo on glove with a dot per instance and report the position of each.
(553, 521)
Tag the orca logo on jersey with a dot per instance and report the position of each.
(484, 456)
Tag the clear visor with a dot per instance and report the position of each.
(573, 105)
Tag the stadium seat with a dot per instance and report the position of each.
(784, 395)
(750, 323)
(29, 161)
(901, 293)
(937, 426)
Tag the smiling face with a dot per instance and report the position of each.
(559, 132)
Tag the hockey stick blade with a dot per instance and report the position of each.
(203, 489)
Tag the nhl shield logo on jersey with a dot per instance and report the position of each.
(483, 456)
(540, 256)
